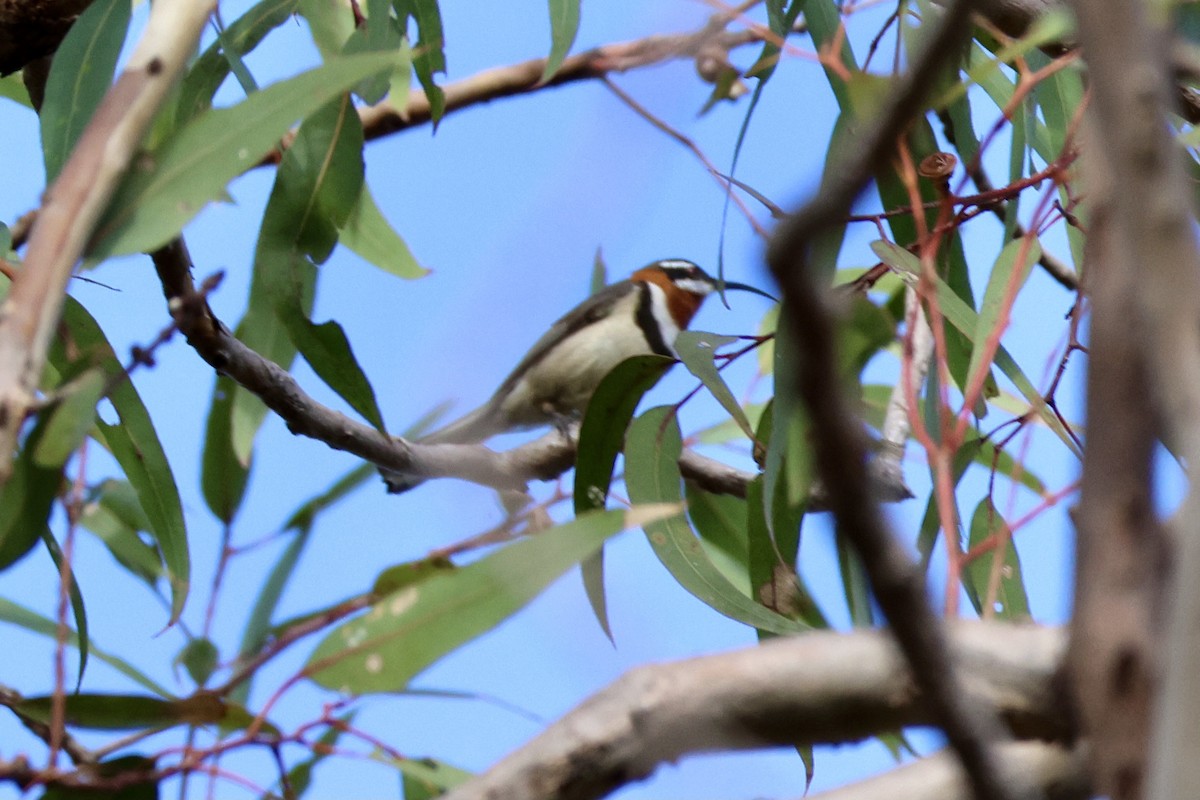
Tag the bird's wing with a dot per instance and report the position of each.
(587, 312)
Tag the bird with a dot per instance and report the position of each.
(638, 316)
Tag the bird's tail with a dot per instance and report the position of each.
(473, 428)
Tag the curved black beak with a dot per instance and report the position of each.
(724, 286)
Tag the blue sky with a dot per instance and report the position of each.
(507, 204)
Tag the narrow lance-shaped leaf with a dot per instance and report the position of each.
(698, 350)
(134, 443)
(964, 318)
(429, 56)
(408, 630)
(601, 438)
(369, 235)
(564, 25)
(652, 476)
(80, 74)
(1008, 275)
(25, 501)
(191, 169)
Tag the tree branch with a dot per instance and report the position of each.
(543, 459)
(1058, 772)
(821, 687)
(1146, 304)
(840, 449)
(74, 202)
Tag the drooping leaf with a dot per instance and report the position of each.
(380, 34)
(126, 712)
(564, 25)
(964, 318)
(721, 524)
(368, 234)
(115, 515)
(223, 476)
(75, 595)
(1011, 601)
(408, 630)
(80, 74)
(193, 167)
(429, 55)
(601, 439)
(652, 476)
(26, 500)
(70, 420)
(1007, 277)
(697, 350)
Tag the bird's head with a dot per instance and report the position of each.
(686, 285)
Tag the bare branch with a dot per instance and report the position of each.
(711, 43)
(73, 204)
(815, 688)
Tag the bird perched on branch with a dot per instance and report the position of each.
(556, 378)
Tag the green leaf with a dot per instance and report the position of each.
(602, 434)
(126, 712)
(33, 622)
(70, 420)
(964, 318)
(134, 443)
(78, 611)
(1011, 601)
(429, 56)
(652, 476)
(601, 438)
(720, 522)
(564, 25)
(329, 25)
(200, 658)
(192, 168)
(12, 87)
(380, 34)
(408, 630)
(427, 778)
(260, 331)
(115, 515)
(327, 350)
(209, 71)
(369, 235)
(26, 500)
(81, 73)
(1006, 279)
(223, 476)
(697, 350)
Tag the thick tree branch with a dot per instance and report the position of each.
(840, 450)
(73, 204)
(1058, 772)
(815, 688)
(1146, 325)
